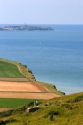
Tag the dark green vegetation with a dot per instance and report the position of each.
(9, 70)
(13, 103)
(67, 110)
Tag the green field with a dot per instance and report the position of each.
(13, 103)
(9, 70)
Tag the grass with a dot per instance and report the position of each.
(13, 103)
(51, 88)
(67, 110)
(9, 70)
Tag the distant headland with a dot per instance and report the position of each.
(25, 28)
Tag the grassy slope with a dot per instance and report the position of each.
(9, 70)
(51, 88)
(67, 110)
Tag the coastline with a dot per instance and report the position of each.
(52, 56)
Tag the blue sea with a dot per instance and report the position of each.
(53, 56)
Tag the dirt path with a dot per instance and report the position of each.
(4, 109)
(14, 79)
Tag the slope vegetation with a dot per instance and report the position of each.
(14, 71)
(67, 110)
(8, 70)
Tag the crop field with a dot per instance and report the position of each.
(13, 103)
(9, 70)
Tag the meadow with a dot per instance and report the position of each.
(13, 103)
(9, 70)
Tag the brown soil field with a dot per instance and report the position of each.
(21, 87)
(4, 109)
(44, 96)
(14, 79)
(28, 90)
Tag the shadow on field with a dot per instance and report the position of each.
(7, 121)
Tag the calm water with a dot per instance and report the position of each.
(53, 56)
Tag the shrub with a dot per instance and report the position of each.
(52, 114)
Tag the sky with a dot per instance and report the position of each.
(41, 11)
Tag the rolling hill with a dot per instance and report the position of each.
(67, 110)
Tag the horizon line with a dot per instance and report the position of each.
(38, 24)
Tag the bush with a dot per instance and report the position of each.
(7, 113)
(76, 99)
(52, 114)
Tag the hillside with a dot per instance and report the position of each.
(19, 90)
(18, 81)
(8, 70)
(67, 110)
(14, 70)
